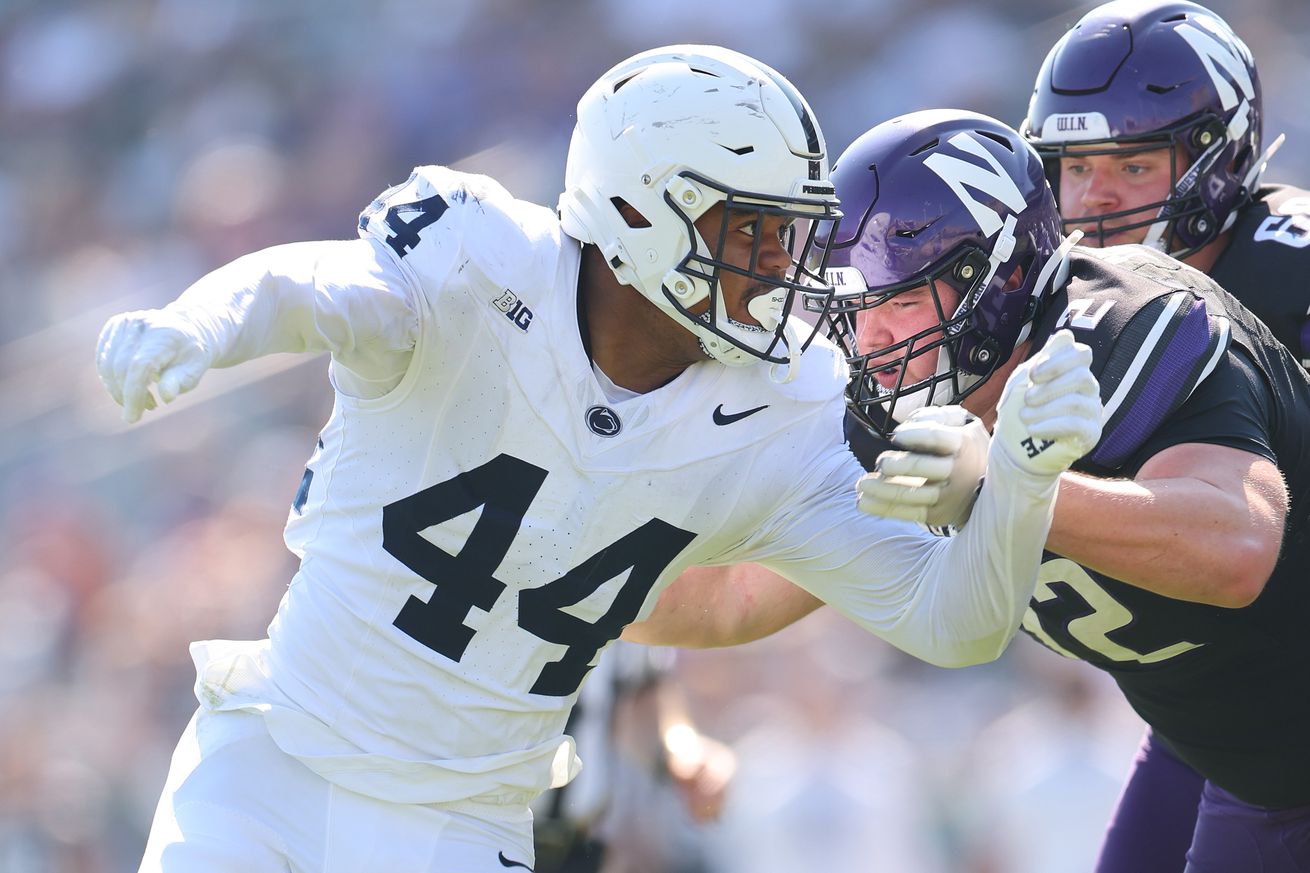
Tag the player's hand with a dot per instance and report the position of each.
(933, 474)
(1049, 414)
(138, 350)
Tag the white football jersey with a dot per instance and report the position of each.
(471, 540)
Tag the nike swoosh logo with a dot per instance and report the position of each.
(721, 417)
(506, 862)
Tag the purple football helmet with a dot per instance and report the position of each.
(956, 203)
(1147, 75)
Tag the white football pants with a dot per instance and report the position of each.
(236, 803)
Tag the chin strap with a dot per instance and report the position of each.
(768, 310)
(1056, 269)
(781, 374)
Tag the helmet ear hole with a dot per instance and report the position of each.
(631, 217)
(1242, 159)
(1015, 280)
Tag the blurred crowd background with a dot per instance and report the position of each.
(144, 142)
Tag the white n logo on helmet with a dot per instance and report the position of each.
(958, 173)
(1216, 56)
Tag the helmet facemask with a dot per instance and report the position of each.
(963, 356)
(693, 289)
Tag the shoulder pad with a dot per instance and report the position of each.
(440, 220)
(1153, 340)
(1266, 262)
(404, 215)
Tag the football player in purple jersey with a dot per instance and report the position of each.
(1148, 116)
(1175, 560)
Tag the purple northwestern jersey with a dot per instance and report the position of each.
(1266, 264)
(1181, 361)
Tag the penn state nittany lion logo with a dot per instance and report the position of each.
(603, 421)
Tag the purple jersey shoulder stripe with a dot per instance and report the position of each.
(1164, 373)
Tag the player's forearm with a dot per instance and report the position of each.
(1181, 538)
(722, 606)
(980, 581)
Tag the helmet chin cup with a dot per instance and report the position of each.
(723, 350)
(767, 309)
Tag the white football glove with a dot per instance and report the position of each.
(1049, 414)
(933, 475)
(138, 349)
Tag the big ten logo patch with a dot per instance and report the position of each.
(514, 309)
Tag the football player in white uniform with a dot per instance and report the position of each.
(542, 419)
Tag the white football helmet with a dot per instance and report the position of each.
(673, 131)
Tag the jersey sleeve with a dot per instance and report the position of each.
(1149, 367)
(1232, 407)
(420, 222)
(334, 296)
(951, 601)
(460, 236)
